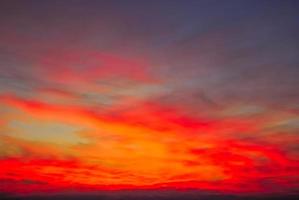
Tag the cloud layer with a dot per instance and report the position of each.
(171, 95)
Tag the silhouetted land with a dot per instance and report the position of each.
(149, 195)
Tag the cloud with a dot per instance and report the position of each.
(145, 95)
(136, 146)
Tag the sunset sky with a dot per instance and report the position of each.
(149, 95)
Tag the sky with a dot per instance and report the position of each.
(149, 95)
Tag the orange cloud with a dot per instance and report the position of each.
(149, 147)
